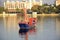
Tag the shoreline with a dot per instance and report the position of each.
(1, 15)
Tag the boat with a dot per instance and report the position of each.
(28, 23)
(24, 28)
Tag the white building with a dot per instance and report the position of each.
(16, 4)
(57, 2)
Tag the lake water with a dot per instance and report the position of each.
(48, 28)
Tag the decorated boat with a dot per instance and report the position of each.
(27, 23)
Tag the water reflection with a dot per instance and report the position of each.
(48, 28)
(24, 33)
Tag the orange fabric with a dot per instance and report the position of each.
(31, 21)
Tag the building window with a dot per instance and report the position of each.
(23, 5)
(19, 5)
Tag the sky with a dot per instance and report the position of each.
(44, 1)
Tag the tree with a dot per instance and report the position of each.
(1, 9)
(6, 10)
(58, 9)
(36, 8)
(17, 10)
(48, 9)
(45, 4)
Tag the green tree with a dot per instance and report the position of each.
(17, 10)
(1, 9)
(6, 10)
(45, 5)
(36, 8)
(48, 9)
(58, 9)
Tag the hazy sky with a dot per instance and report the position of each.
(44, 1)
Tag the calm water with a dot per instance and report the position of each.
(48, 28)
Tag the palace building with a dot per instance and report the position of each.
(20, 5)
(57, 2)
